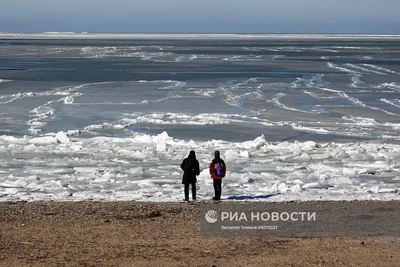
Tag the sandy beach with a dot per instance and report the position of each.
(161, 234)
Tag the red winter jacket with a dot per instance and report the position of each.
(213, 166)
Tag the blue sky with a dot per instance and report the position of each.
(202, 16)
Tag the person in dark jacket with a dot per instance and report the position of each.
(191, 168)
(217, 173)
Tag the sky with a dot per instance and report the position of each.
(201, 16)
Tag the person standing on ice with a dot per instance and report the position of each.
(217, 172)
(191, 168)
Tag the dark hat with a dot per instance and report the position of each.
(192, 152)
(216, 153)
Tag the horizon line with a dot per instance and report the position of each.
(194, 36)
(209, 33)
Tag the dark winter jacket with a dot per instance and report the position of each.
(191, 168)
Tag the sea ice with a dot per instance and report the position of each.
(59, 167)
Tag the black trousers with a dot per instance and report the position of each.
(217, 187)
(193, 190)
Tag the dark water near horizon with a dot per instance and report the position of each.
(202, 89)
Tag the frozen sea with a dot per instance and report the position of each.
(109, 117)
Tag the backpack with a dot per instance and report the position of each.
(220, 169)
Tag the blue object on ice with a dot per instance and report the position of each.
(250, 197)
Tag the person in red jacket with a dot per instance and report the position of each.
(217, 172)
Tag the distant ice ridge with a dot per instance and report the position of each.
(275, 100)
(58, 167)
(173, 118)
(85, 35)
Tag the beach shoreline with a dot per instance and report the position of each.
(162, 234)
